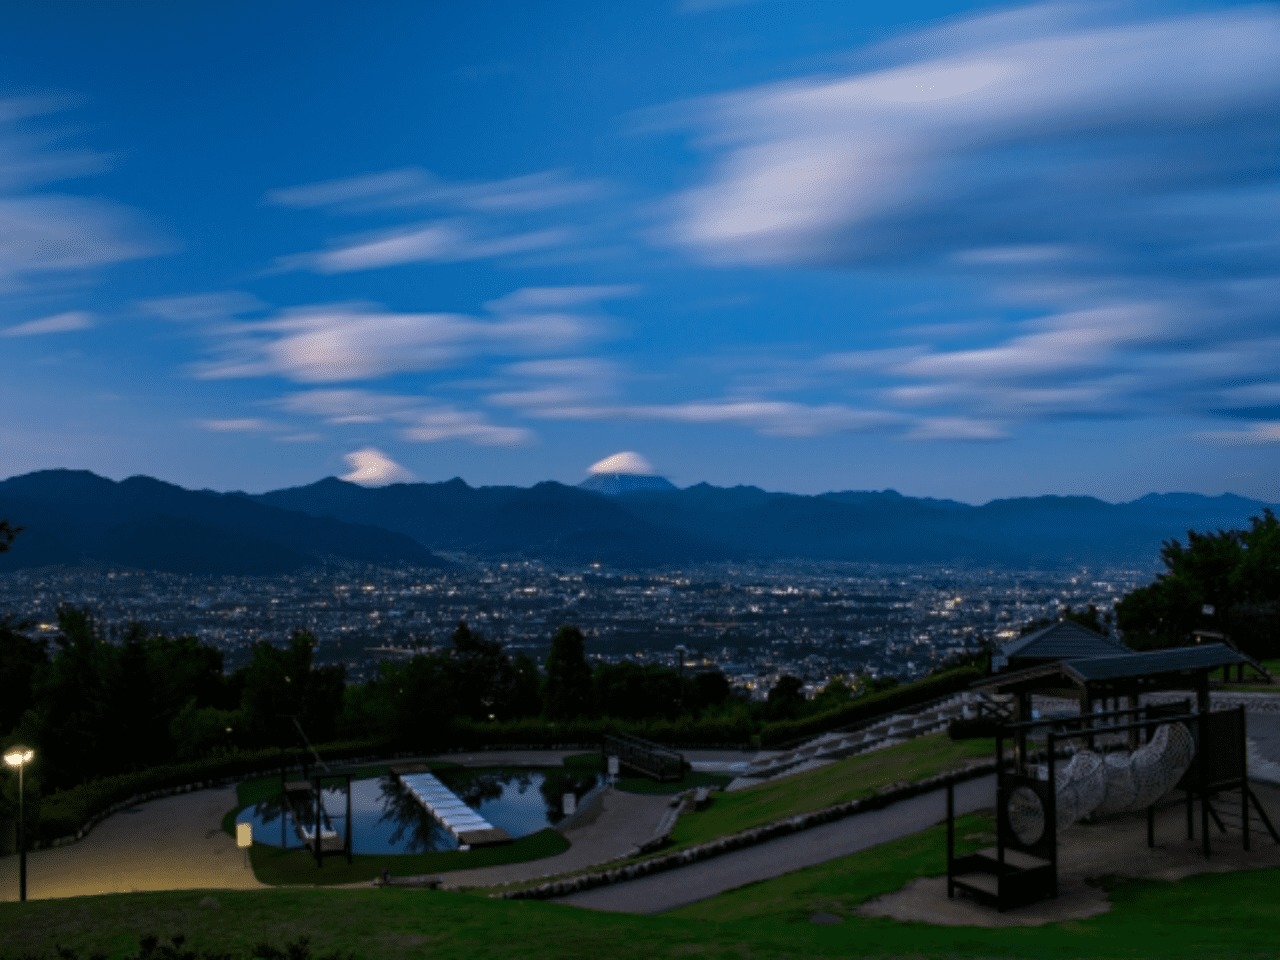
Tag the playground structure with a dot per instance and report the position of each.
(1116, 761)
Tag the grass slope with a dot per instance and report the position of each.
(843, 780)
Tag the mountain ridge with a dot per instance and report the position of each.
(651, 526)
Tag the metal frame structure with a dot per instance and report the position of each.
(1017, 872)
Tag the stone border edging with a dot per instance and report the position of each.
(883, 797)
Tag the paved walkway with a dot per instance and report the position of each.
(698, 881)
(175, 843)
(613, 830)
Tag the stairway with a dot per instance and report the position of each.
(1014, 881)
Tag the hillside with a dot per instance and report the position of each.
(75, 517)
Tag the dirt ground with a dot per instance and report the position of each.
(1087, 853)
(175, 843)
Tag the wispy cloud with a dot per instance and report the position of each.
(1108, 180)
(1263, 432)
(447, 423)
(768, 417)
(67, 322)
(333, 343)
(240, 425)
(472, 221)
(419, 419)
(432, 242)
(204, 308)
(48, 237)
(416, 188)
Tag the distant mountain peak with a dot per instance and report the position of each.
(614, 484)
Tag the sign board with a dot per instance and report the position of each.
(613, 766)
(569, 804)
(244, 834)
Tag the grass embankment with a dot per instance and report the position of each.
(838, 782)
(1210, 916)
(297, 867)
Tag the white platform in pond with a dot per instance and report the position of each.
(443, 804)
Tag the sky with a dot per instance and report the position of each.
(956, 250)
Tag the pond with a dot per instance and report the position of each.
(387, 818)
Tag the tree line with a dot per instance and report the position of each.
(95, 704)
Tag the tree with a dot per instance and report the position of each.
(415, 700)
(786, 698)
(22, 660)
(7, 533)
(484, 676)
(280, 684)
(632, 691)
(567, 695)
(711, 689)
(73, 712)
(1236, 572)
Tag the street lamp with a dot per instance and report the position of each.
(681, 650)
(19, 757)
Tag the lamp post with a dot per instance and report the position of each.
(19, 757)
(681, 651)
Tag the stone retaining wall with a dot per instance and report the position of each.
(882, 798)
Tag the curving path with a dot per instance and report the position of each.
(174, 843)
(707, 878)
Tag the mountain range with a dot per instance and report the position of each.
(75, 517)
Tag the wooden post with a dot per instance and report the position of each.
(348, 842)
(1244, 780)
(1204, 780)
(316, 845)
(951, 837)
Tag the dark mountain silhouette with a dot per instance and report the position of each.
(613, 484)
(702, 522)
(548, 521)
(75, 517)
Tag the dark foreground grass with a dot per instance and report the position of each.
(1212, 916)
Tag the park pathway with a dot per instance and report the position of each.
(175, 843)
(675, 888)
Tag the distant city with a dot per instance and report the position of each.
(816, 621)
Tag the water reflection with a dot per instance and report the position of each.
(388, 819)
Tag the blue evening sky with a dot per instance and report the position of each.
(959, 250)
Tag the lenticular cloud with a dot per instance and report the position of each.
(371, 467)
(628, 463)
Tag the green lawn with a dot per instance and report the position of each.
(1212, 916)
(836, 783)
